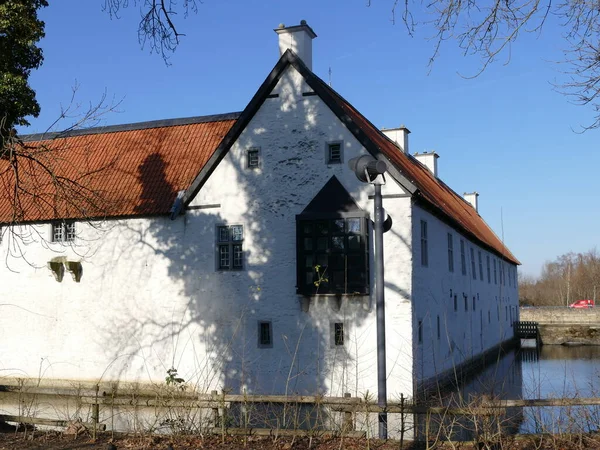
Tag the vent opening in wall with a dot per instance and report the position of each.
(334, 153)
(338, 333)
(253, 158)
(265, 334)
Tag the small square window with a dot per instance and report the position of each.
(253, 158)
(265, 334)
(334, 153)
(63, 231)
(338, 333)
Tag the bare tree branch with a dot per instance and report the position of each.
(157, 26)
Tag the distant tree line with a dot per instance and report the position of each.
(571, 277)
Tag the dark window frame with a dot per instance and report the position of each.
(338, 334)
(338, 156)
(489, 277)
(321, 241)
(265, 334)
(63, 231)
(251, 162)
(229, 249)
(495, 272)
(473, 271)
(480, 265)
(424, 244)
(450, 252)
(463, 257)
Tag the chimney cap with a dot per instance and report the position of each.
(294, 28)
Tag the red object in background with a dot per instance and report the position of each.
(582, 304)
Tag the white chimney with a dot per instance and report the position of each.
(399, 136)
(429, 160)
(297, 38)
(473, 199)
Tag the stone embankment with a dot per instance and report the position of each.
(567, 326)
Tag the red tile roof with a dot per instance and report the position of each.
(118, 171)
(431, 191)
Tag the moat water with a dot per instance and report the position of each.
(553, 371)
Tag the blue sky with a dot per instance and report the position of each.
(506, 134)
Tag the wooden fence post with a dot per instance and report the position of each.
(348, 420)
(215, 410)
(401, 421)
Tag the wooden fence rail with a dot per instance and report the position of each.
(217, 402)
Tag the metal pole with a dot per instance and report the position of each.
(380, 307)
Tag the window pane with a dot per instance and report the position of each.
(322, 243)
(252, 158)
(322, 227)
(307, 227)
(223, 234)
(354, 242)
(265, 333)
(353, 225)
(237, 256)
(309, 278)
(57, 232)
(224, 257)
(308, 244)
(338, 226)
(70, 231)
(337, 243)
(338, 333)
(237, 233)
(308, 262)
(322, 261)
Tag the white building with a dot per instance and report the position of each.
(238, 249)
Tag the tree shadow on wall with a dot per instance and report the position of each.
(205, 322)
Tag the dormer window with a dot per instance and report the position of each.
(253, 158)
(63, 231)
(334, 153)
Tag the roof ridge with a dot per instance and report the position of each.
(161, 123)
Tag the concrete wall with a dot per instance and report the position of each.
(561, 315)
(565, 325)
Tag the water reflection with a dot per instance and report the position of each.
(562, 372)
(552, 371)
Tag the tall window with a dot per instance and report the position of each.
(420, 332)
(463, 258)
(424, 254)
(332, 256)
(495, 273)
(455, 303)
(439, 331)
(487, 258)
(338, 333)
(480, 265)
(473, 264)
(63, 231)
(450, 253)
(229, 245)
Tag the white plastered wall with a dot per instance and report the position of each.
(150, 297)
(465, 332)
